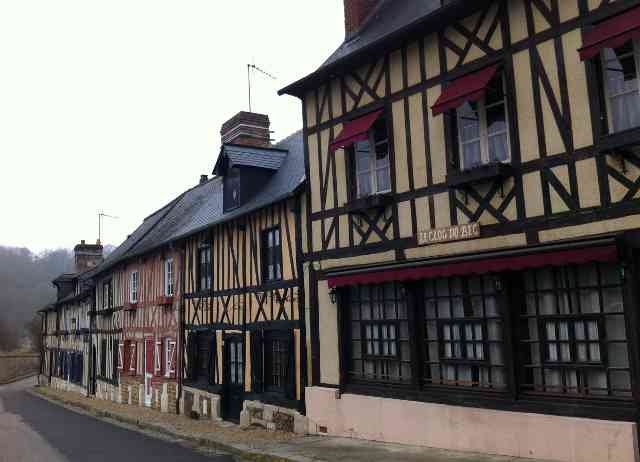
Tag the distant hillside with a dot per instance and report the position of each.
(25, 280)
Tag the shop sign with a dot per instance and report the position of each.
(448, 234)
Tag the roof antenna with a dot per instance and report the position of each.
(102, 215)
(253, 67)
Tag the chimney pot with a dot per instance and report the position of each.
(203, 179)
(82, 242)
(356, 12)
(248, 129)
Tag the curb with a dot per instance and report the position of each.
(17, 379)
(244, 454)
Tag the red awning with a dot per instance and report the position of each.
(355, 130)
(471, 87)
(492, 265)
(611, 33)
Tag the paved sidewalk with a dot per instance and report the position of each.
(257, 444)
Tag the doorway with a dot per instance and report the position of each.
(148, 370)
(233, 394)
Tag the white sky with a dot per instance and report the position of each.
(117, 105)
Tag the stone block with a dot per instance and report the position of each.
(300, 424)
(245, 419)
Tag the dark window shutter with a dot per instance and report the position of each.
(256, 361)
(291, 367)
(193, 356)
(213, 360)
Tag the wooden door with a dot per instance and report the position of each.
(148, 369)
(233, 394)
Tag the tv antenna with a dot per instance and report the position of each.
(101, 216)
(253, 67)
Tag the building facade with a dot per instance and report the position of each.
(68, 356)
(471, 227)
(244, 335)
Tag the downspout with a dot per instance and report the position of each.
(181, 327)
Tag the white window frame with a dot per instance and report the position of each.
(372, 169)
(484, 130)
(120, 356)
(157, 357)
(607, 96)
(134, 284)
(168, 277)
(133, 356)
(169, 368)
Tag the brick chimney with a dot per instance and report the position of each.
(356, 12)
(248, 129)
(87, 256)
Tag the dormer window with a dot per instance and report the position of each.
(232, 189)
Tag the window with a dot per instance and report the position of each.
(622, 86)
(271, 255)
(170, 357)
(107, 295)
(103, 357)
(74, 324)
(276, 359)
(378, 331)
(371, 156)
(463, 344)
(204, 358)
(236, 359)
(168, 277)
(204, 268)
(483, 128)
(232, 189)
(573, 335)
(133, 289)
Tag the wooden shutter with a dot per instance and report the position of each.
(157, 358)
(256, 361)
(192, 352)
(291, 366)
(172, 358)
(213, 360)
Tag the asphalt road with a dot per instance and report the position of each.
(34, 430)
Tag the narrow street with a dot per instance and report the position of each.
(34, 430)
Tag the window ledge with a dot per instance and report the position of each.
(373, 201)
(165, 300)
(480, 174)
(131, 306)
(619, 140)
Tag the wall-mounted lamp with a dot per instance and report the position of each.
(333, 293)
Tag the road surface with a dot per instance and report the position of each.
(34, 430)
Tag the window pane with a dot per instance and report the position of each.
(471, 155)
(622, 87)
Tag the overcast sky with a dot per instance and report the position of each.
(117, 105)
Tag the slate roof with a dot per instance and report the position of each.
(201, 206)
(391, 23)
(271, 159)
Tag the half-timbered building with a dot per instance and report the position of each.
(244, 331)
(136, 328)
(68, 356)
(471, 227)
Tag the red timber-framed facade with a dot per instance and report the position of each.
(244, 333)
(471, 227)
(137, 308)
